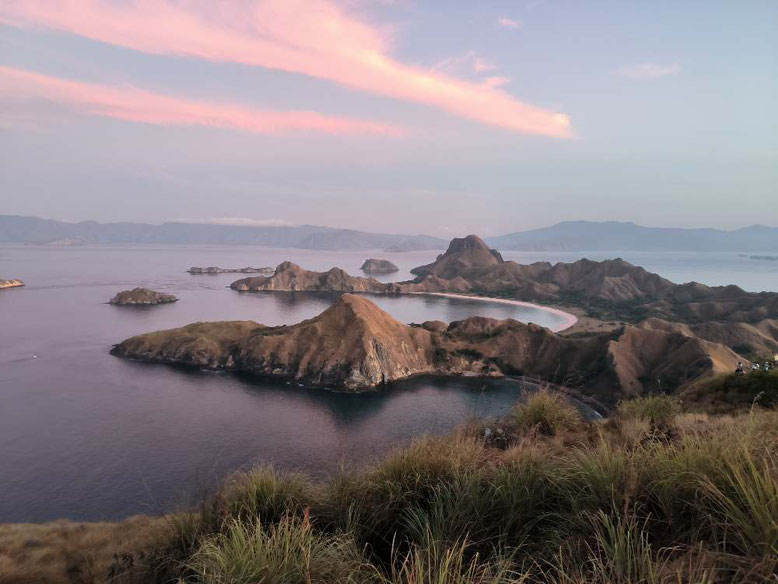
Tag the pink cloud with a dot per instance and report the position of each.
(506, 22)
(132, 104)
(496, 81)
(311, 37)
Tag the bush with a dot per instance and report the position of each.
(658, 410)
(547, 412)
(288, 551)
(700, 505)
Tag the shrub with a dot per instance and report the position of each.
(658, 410)
(288, 551)
(547, 412)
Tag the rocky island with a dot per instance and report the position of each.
(610, 290)
(376, 266)
(10, 284)
(141, 297)
(215, 270)
(675, 334)
(289, 277)
(355, 345)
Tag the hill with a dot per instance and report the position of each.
(355, 345)
(44, 231)
(627, 236)
(609, 289)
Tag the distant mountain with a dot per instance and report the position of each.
(19, 229)
(614, 235)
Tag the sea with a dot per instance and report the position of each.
(88, 436)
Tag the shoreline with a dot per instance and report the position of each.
(570, 319)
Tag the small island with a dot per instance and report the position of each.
(215, 270)
(10, 284)
(141, 297)
(375, 266)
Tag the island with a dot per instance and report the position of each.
(376, 266)
(141, 297)
(10, 284)
(215, 270)
(635, 332)
(289, 277)
(354, 345)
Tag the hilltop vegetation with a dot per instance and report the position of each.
(651, 495)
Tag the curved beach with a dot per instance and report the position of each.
(570, 319)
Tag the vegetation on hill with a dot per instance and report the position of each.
(650, 495)
(726, 393)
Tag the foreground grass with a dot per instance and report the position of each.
(651, 495)
(65, 552)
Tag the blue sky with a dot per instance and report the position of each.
(435, 117)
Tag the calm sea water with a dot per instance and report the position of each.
(88, 436)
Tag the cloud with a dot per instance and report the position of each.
(132, 104)
(496, 81)
(505, 22)
(312, 37)
(469, 62)
(648, 71)
(239, 221)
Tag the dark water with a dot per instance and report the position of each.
(85, 435)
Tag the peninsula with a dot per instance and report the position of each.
(355, 345)
(676, 333)
(140, 297)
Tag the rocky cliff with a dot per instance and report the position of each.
(355, 345)
(141, 296)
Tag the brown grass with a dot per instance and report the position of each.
(68, 552)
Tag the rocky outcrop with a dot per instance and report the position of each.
(462, 254)
(612, 289)
(355, 345)
(141, 296)
(214, 270)
(10, 284)
(289, 277)
(376, 266)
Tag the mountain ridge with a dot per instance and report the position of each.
(564, 236)
(26, 229)
(629, 236)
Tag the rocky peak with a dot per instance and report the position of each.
(288, 266)
(462, 253)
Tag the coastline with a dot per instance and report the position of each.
(570, 319)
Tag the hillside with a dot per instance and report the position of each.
(355, 345)
(42, 231)
(626, 236)
(608, 289)
(289, 277)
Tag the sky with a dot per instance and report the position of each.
(442, 117)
